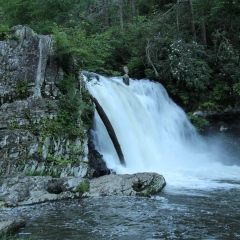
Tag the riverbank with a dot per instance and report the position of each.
(21, 190)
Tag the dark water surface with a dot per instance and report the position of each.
(193, 214)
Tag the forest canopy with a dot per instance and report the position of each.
(192, 47)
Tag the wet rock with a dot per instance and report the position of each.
(90, 75)
(227, 120)
(10, 225)
(96, 162)
(18, 189)
(139, 184)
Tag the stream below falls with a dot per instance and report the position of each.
(191, 214)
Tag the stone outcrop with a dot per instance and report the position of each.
(29, 96)
(18, 189)
(227, 120)
(97, 164)
(138, 184)
(10, 225)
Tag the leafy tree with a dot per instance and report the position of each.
(77, 51)
(191, 46)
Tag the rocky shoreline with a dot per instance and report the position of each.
(18, 189)
(10, 225)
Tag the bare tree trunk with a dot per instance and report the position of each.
(177, 15)
(133, 4)
(192, 19)
(105, 13)
(110, 130)
(148, 54)
(120, 2)
(203, 29)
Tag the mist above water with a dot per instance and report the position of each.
(156, 136)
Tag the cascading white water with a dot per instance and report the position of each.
(155, 136)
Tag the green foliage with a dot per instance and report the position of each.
(52, 171)
(197, 121)
(20, 90)
(226, 71)
(4, 32)
(236, 88)
(82, 188)
(155, 41)
(32, 172)
(209, 106)
(77, 50)
(188, 69)
(14, 123)
(41, 14)
(59, 161)
(75, 112)
(27, 114)
(74, 116)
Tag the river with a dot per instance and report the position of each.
(191, 214)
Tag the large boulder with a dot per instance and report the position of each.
(18, 189)
(10, 225)
(138, 184)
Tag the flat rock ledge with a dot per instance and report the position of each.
(10, 225)
(19, 190)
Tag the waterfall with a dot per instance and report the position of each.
(155, 135)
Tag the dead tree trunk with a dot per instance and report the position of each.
(105, 13)
(120, 3)
(192, 20)
(110, 130)
(203, 29)
(133, 5)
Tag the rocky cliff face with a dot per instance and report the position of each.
(29, 96)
